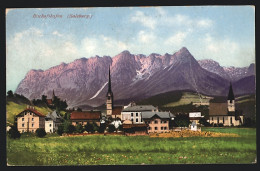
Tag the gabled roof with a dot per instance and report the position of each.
(218, 109)
(162, 115)
(139, 108)
(33, 111)
(86, 115)
(54, 116)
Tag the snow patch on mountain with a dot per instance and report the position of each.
(98, 91)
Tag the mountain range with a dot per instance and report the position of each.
(83, 82)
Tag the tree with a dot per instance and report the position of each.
(111, 128)
(79, 110)
(44, 98)
(66, 125)
(10, 93)
(182, 120)
(71, 128)
(102, 128)
(60, 130)
(40, 132)
(204, 122)
(79, 128)
(89, 127)
(95, 127)
(14, 133)
(120, 128)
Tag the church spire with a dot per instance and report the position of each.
(230, 93)
(109, 81)
(53, 95)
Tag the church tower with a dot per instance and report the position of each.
(231, 100)
(109, 96)
(53, 95)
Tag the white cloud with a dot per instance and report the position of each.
(147, 21)
(56, 33)
(146, 37)
(177, 39)
(161, 18)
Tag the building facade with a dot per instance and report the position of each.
(84, 117)
(225, 113)
(30, 120)
(157, 121)
(133, 113)
(52, 121)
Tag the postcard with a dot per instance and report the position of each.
(130, 85)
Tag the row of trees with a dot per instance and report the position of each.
(15, 134)
(67, 127)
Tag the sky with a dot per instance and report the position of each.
(40, 38)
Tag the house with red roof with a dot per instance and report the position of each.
(83, 117)
(29, 120)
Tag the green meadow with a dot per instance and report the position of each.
(125, 150)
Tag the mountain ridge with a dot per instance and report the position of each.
(132, 76)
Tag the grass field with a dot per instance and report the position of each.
(187, 98)
(124, 150)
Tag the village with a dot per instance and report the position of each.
(131, 119)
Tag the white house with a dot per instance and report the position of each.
(52, 121)
(133, 113)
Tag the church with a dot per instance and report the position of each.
(225, 113)
(112, 111)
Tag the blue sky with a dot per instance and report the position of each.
(225, 34)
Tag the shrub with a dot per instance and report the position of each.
(120, 128)
(102, 128)
(71, 129)
(60, 130)
(40, 132)
(220, 125)
(215, 125)
(89, 127)
(111, 128)
(95, 127)
(79, 128)
(14, 133)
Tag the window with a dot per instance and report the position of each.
(165, 128)
(132, 120)
(132, 114)
(22, 119)
(149, 128)
(32, 119)
(165, 121)
(136, 120)
(141, 119)
(136, 114)
(32, 125)
(155, 122)
(161, 122)
(155, 128)
(30, 113)
(231, 120)
(223, 120)
(161, 128)
(22, 125)
(50, 125)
